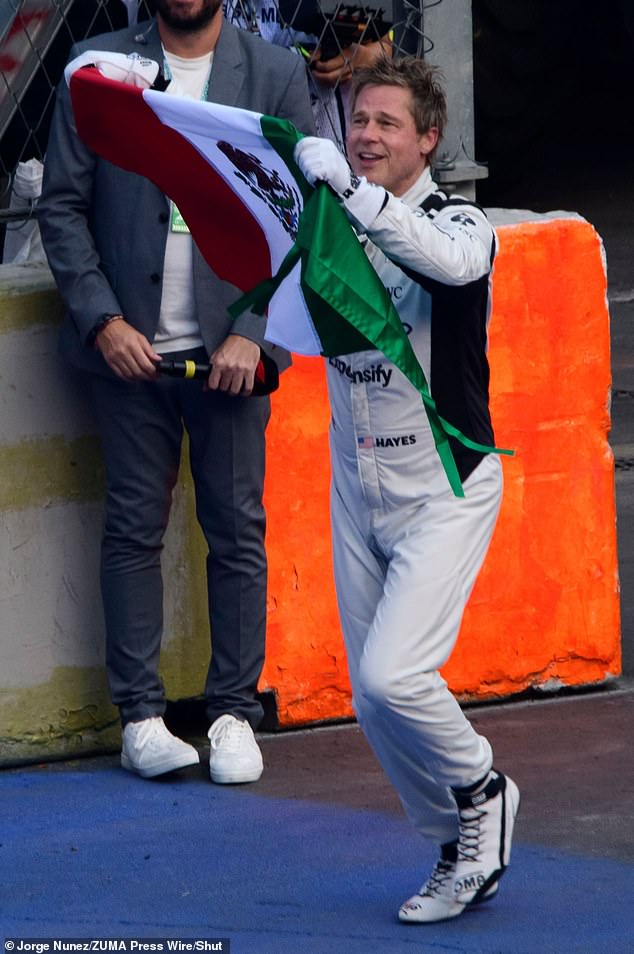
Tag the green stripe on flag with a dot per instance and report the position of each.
(282, 135)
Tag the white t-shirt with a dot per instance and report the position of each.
(178, 328)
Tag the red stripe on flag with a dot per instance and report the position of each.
(114, 121)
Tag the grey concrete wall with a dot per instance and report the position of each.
(53, 693)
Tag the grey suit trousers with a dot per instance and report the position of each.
(142, 426)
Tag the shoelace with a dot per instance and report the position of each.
(443, 870)
(230, 734)
(469, 837)
(151, 734)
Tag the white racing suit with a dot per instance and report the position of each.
(406, 550)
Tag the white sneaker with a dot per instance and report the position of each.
(435, 901)
(486, 820)
(150, 749)
(234, 755)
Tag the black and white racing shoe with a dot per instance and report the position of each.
(486, 821)
(468, 871)
(436, 899)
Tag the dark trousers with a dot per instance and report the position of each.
(141, 428)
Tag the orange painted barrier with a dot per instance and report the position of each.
(545, 609)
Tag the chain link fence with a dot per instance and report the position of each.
(36, 37)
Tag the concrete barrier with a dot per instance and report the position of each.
(545, 610)
(53, 694)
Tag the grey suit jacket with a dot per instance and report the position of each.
(104, 230)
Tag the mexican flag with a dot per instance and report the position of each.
(255, 219)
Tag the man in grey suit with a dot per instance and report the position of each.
(135, 288)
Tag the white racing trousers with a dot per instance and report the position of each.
(405, 563)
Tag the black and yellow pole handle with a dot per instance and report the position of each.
(266, 373)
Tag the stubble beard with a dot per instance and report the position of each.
(188, 23)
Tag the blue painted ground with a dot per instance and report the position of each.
(100, 853)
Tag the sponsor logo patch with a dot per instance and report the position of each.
(470, 883)
(395, 291)
(399, 441)
(374, 374)
(463, 218)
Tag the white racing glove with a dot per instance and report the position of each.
(321, 161)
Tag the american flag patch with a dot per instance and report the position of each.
(365, 442)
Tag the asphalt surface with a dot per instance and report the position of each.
(622, 441)
(317, 856)
(613, 216)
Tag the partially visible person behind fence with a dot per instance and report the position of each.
(332, 52)
(135, 288)
(407, 551)
(22, 242)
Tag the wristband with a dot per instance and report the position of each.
(105, 320)
(363, 201)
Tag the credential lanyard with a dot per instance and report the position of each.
(177, 222)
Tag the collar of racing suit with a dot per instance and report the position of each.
(420, 190)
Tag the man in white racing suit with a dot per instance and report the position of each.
(407, 551)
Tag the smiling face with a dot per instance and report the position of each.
(384, 144)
